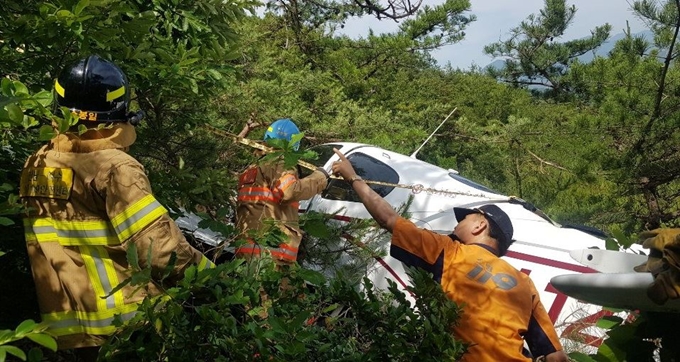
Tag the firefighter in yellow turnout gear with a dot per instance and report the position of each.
(88, 201)
(268, 197)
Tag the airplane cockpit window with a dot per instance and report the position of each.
(368, 168)
(324, 152)
(470, 183)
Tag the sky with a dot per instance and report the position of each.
(495, 19)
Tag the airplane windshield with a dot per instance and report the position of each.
(324, 152)
(368, 168)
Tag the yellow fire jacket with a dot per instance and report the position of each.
(88, 201)
(268, 197)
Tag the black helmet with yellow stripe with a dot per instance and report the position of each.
(95, 90)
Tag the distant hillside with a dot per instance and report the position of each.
(601, 51)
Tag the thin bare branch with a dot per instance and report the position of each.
(544, 162)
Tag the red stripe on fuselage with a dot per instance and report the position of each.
(549, 262)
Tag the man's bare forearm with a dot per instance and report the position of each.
(379, 209)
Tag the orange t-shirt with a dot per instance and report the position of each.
(501, 307)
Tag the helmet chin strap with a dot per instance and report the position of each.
(135, 118)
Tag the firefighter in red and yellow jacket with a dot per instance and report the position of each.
(268, 197)
(87, 202)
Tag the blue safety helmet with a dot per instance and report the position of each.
(283, 129)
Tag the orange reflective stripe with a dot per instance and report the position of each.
(284, 251)
(283, 255)
(284, 182)
(288, 247)
(249, 249)
(250, 194)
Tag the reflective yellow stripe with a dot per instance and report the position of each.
(102, 275)
(59, 89)
(205, 264)
(119, 299)
(115, 94)
(137, 217)
(72, 322)
(70, 233)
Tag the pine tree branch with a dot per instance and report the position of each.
(662, 86)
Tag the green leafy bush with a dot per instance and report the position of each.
(231, 313)
(30, 330)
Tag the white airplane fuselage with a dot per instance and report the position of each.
(541, 249)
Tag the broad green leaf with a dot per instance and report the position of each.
(214, 73)
(6, 85)
(35, 354)
(9, 100)
(19, 88)
(301, 318)
(6, 221)
(64, 14)
(223, 212)
(82, 4)
(609, 322)
(15, 113)
(189, 61)
(609, 352)
(311, 276)
(132, 257)
(181, 163)
(46, 133)
(611, 244)
(13, 351)
(194, 85)
(6, 335)
(317, 228)
(25, 327)
(581, 357)
(44, 98)
(64, 124)
(290, 160)
(330, 308)
(277, 324)
(190, 273)
(44, 340)
(164, 55)
(158, 325)
(232, 55)
(297, 137)
(29, 122)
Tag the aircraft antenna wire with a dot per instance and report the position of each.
(413, 155)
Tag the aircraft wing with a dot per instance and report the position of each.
(608, 261)
(616, 290)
